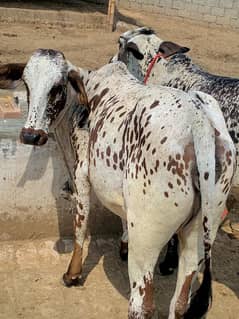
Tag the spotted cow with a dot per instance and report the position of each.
(153, 60)
(154, 156)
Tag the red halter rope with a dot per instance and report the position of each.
(151, 65)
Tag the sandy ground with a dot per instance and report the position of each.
(30, 271)
(30, 276)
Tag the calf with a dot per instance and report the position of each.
(154, 156)
(156, 61)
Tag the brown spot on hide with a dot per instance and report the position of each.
(147, 293)
(153, 151)
(206, 175)
(154, 104)
(115, 158)
(163, 140)
(96, 86)
(228, 157)
(108, 151)
(189, 155)
(181, 304)
(170, 185)
(166, 194)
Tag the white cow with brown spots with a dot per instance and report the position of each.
(154, 156)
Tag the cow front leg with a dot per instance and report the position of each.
(82, 200)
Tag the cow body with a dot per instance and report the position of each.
(146, 152)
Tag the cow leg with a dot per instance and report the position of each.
(82, 200)
(124, 241)
(190, 255)
(171, 258)
(145, 244)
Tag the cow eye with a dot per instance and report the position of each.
(56, 89)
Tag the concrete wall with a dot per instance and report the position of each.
(220, 12)
(31, 179)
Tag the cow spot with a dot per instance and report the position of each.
(228, 157)
(164, 140)
(154, 104)
(206, 175)
(108, 151)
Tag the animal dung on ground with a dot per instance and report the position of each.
(8, 108)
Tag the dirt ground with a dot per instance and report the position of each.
(30, 271)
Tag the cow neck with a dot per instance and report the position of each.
(87, 76)
(63, 129)
(151, 65)
(178, 74)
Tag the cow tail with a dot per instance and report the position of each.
(204, 145)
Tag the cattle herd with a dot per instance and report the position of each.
(157, 138)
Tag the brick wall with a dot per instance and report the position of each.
(220, 12)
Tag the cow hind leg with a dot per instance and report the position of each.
(170, 261)
(191, 255)
(124, 241)
(145, 244)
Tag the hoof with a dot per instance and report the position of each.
(166, 269)
(69, 282)
(124, 255)
(124, 251)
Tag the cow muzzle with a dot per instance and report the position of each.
(33, 137)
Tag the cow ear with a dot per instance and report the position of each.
(78, 85)
(133, 48)
(11, 75)
(170, 48)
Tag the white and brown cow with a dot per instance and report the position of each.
(154, 156)
(153, 60)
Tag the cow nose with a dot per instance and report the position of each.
(33, 137)
(30, 138)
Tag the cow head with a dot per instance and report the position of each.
(138, 47)
(48, 78)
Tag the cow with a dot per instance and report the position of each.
(158, 157)
(153, 60)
